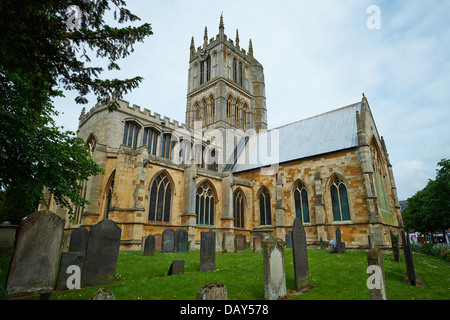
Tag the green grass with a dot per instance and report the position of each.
(333, 277)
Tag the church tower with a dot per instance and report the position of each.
(226, 87)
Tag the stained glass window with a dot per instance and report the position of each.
(160, 196)
(301, 203)
(339, 200)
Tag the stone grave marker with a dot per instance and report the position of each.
(228, 241)
(168, 241)
(181, 241)
(7, 238)
(274, 273)
(65, 274)
(240, 243)
(79, 240)
(410, 272)
(103, 294)
(101, 254)
(149, 246)
(34, 262)
(323, 245)
(257, 244)
(300, 255)
(289, 239)
(207, 251)
(395, 247)
(212, 291)
(340, 246)
(158, 242)
(177, 267)
(376, 282)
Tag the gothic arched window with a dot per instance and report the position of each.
(245, 117)
(150, 140)
(241, 75)
(265, 216)
(211, 110)
(339, 200)
(167, 146)
(301, 202)
(205, 204)
(131, 134)
(238, 209)
(230, 110)
(160, 197)
(235, 75)
(237, 118)
(208, 68)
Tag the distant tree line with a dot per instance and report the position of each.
(429, 209)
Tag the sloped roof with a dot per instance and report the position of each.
(324, 133)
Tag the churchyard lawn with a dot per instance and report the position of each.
(332, 277)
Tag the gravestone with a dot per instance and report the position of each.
(340, 246)
(369, 241)
(158, 242)
(228, 241)
(376, 281)
(168, 241)
(395, 247)
(101, 254)
(212, 291)
(7, 238)
(34, 262)
(177, 267)
(103, 294)
(181, 241)
(240, 243)
(300, 255)
(207, 251)
(274, 274)
(69, 259)
(149, 246)
(323, 245)
(410, 273)
(289, 239)
(79, 240)
(257, 244)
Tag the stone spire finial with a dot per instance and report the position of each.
(192, 49)
(221, 26)
(205, 37)
(250, 48)
(237, 38)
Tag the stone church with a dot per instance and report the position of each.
(223, 170)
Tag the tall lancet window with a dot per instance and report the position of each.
(205, 204)
(160, 196)
(301, 202)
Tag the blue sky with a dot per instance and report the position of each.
(317, 56)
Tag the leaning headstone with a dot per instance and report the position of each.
(149, 246)
(103, 294)
(79, 240)
(7, 238)
(181, 241)
(340, 246)
(35, 259)
(207, 251)
(257, 243)
(240, 243)
(68, 276)
(376, 281)
(274, 274)
(101, 254)
(228, 242)
(168, 241)
(212, 291)
(300, 255)
(177, 267)
(410, 273)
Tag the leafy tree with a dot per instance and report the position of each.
(429, 209)
(41, 54)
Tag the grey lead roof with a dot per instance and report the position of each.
(324, 133)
